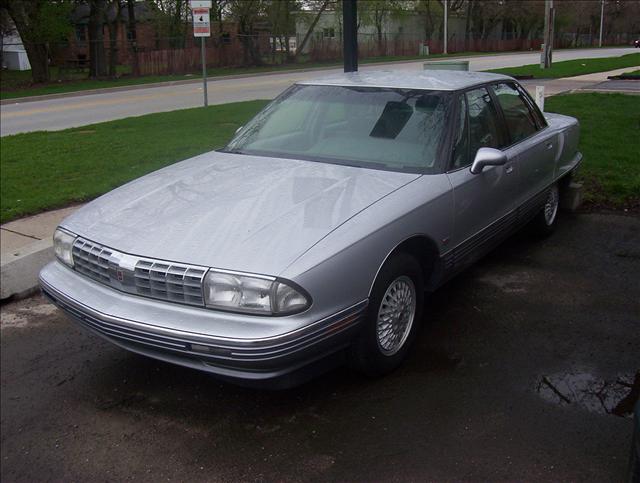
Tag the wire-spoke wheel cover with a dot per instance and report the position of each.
(396, 315)
(551, 205)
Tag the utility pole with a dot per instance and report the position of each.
(547, 50)
(601, 21)
(350, 37)
(446, 35)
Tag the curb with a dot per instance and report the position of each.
(19, 271)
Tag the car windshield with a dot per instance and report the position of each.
(381, 128)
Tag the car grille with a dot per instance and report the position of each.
(178, 283)
(92, 260)
(158, 279)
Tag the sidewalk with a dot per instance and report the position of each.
(25, 247)
(585, 82)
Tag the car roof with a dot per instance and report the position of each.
(441, 80)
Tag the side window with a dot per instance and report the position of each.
(484, 127)
(461, 140)
(518, 116)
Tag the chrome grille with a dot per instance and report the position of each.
(162, 280)
(92, 260)
(178, 283)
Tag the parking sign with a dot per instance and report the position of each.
(201, 20)
(201, 23)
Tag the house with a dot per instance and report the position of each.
(402, 33)
(77, 47)
(14, 56)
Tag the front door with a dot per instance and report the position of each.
(483, 201)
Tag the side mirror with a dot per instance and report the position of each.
(487, 157)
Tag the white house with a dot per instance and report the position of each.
(14, 56)
(402, 34)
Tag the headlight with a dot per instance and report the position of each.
(63, 245)
(252, 294)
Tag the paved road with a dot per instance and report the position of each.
(478, 398)
(82, 110)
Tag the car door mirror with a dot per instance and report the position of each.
(487, 157)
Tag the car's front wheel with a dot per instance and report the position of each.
(393, 316)
(545, 222)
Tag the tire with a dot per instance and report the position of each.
(381, 347)
(546, 221)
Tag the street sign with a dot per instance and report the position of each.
(200, 4)
(201, 22)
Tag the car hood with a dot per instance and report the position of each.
(232, 211)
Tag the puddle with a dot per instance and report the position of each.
(581, 389)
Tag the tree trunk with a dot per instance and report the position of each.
(467, 28)
(133, 34)
(37, 52)
(38, 55)
(273, 49)
(113, 40)
(311, 27)
(97, 57)
(286, 47)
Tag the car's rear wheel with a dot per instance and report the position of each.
(393, 316)
(545, 222)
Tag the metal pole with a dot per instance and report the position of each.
(350, 37)
(204, 72)
(446, 14)
(545, 61)
(601, 21)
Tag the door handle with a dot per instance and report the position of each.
(549, 145)
(509, 169)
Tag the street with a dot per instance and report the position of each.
(514, 376)
(86, 109)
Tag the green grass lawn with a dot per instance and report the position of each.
(570, 68)
(633, 72)
(46, 170)
(15, 84)
(610, 144)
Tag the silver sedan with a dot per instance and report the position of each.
(312, 237)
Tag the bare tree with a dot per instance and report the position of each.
(281, 20)
(97, 55)
(322, 7)
(247, 13)
(133, 35)
(113, 23)
(376, 13)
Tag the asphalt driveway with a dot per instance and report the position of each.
(520, 362)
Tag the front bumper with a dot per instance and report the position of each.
(285, 352)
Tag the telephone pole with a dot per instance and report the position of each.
(350, 37)
(547, 50)
(446, 14)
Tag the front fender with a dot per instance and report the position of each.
(341, 268)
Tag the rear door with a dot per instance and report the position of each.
(481, 201)
(533, 144)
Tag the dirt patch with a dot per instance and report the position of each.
(26, 313)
